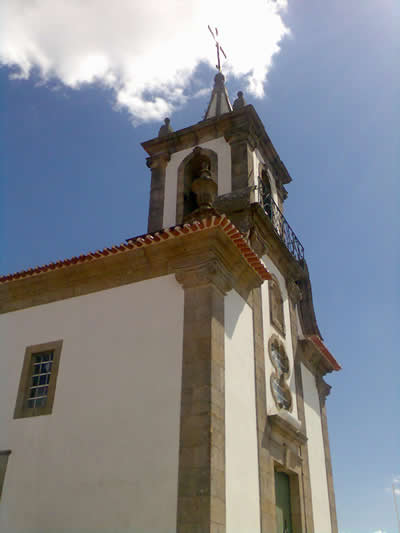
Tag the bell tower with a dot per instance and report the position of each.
(277, 472)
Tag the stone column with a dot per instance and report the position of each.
(158, 165)
(201, 479)
(324, 390)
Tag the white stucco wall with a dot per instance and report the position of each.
(287, 340)
(223, 151)
(316, 454)
(106, 459)
(242, 479)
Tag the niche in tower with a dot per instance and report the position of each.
(188, 171)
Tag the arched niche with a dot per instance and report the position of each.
(189, 170)
(276, 312)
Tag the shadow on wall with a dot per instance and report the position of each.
(237, 305)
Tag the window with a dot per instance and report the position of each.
(38, 380)
(279, 385)
(3, 467)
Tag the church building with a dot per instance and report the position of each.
(174, 382)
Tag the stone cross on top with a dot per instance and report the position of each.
(219, 47)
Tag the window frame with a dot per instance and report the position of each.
(21, 408)
(4, 455)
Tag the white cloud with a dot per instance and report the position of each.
(147, 51)
(396, 479)
(379, 531)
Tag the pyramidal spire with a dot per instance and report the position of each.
(219, 101)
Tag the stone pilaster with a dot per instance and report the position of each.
(157, 164)
(324, 390)
(305, 481)
(201, 479)
(265, 466)
(242, 146)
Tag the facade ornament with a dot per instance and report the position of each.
(239, 102)
(204, 187)
(210, 272)
(294, 291)
(165, 128)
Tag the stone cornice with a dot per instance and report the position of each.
(240, 125)
(158, 160)
(314, 360)
(208, 272)
(211, 246)
(287, 428)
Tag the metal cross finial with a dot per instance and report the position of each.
(219, 47)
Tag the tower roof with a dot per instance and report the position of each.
(219, 101)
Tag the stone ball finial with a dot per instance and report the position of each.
(165, 128)
(239, 102)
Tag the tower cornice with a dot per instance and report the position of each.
(242, 124)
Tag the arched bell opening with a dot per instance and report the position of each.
(190, 169)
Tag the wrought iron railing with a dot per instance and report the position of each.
(280, 224)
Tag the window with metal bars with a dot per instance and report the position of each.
(38, 380)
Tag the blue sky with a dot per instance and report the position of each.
(73, 178)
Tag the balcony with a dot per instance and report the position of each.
(280, 224)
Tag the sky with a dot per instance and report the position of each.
(83, 83)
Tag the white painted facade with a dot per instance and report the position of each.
(287, 340)
(223, 151)
(242, 478)
(106, 459)
(316, 454)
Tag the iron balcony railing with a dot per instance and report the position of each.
(280, 224)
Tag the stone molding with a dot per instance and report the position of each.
(294, 291)
(211, 272)
(323, 389)
(138, 264)
(288, 427)
(233, 125)
(313, 359)
(158, 160)
(244, 134)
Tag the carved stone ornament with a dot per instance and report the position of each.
(165, 128)
(204, 187)
(239, 102)
(279, 378)
(211, 272)
(294, 291)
